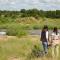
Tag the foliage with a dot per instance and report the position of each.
(30, 13)
(17, 22)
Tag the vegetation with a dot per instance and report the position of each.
(17, 22)
(25, 48)
(31, 12)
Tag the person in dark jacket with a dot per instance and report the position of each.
(44, 39)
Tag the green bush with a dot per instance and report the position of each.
(37, 51)
(14, 29)
(21, 33)
(13, 32)
(36, 26)
(16, 32)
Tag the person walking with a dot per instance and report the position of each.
(44, 39)
(55, 40)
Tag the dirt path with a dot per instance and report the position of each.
(37, 32)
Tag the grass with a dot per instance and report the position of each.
(14, 29)
(30, 23)
(16, 47)
(20, 48)
(19, 26)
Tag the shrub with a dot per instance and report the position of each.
(14, 29)
(37, 51)
(16, 32)
(36, 26)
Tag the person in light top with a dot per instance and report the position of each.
(55, 40)
(44, 39)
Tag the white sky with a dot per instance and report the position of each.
(27, 4)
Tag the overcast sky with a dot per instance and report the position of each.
(28, 4)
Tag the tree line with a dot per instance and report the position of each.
(30, 13)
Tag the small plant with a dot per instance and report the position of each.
(37, 51)
(36, 26)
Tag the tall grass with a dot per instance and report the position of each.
(24, 48)
(14, 48)
(29, 23)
